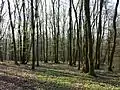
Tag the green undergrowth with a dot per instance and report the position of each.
(83, 81)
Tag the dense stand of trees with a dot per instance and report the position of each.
(58, 31)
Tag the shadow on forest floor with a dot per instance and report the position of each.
(54, 77)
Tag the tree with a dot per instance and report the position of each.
(1, 20)
(70, 34)
(54, 30)
(1, 9)
(58, 30)
(79, 33)
(24, 34)
(87, 16)
(46, 17)
(13, 34)
(19, 31)
(99, 37)
(115, 34)
(33, 34)
(37, 28)
(63, 34)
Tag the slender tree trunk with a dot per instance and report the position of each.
(33, 33)
(63, 35)
(87, 15)
(24, 34)
(13, 34)
(99, 32)
(58, 32)
(86, 66)
(108, 47)
(115, 34)
(79, 43)
(40, 41)
(36, 18)
(6, 43)
(1, 56)
(20, 37)
(70, 34)
(46, 59)
(54, 28)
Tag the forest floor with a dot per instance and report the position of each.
(54, 77)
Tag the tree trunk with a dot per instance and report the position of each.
(58, 32)
(87, 15)
(115, 34)
(33, 33)
(70, 34)
(24, 34)
(46, 59)
(99, 32)
(19, 32)
(36, 18)
(13, 34)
